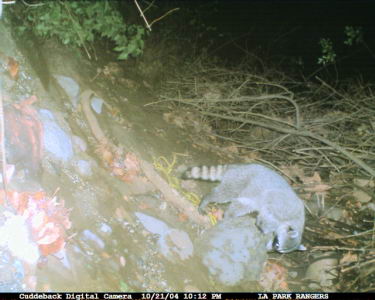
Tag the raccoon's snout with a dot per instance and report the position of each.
(285, 243)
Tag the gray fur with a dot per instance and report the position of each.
(250, 188)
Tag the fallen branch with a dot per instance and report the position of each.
(304, 133)
(91, 119)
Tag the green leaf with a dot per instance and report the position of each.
(75, 23)
(119, 48)
(123, 55)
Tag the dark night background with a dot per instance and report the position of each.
(285, 31)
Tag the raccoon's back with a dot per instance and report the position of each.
(210, 173)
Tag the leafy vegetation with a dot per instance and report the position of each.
(79, 23)
(354, 35)
(328, 54)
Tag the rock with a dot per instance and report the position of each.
(234, 251)
(70, 87)
(172, 243)
(97, 104)
(16, 236)
(83, 167)
(12, 273)
(152, 224)
(92, 240)
(105, 229)
(79, 144)
(335, 213)
(361, 196)
(322, 272)
(56, 141)
(176, 243)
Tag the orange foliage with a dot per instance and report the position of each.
(47, 218)
(26, 129)
(124, 168)
(274, 277)
(13, 67)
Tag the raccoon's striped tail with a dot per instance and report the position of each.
(211, 173)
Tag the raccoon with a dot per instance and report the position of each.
(253, 188)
